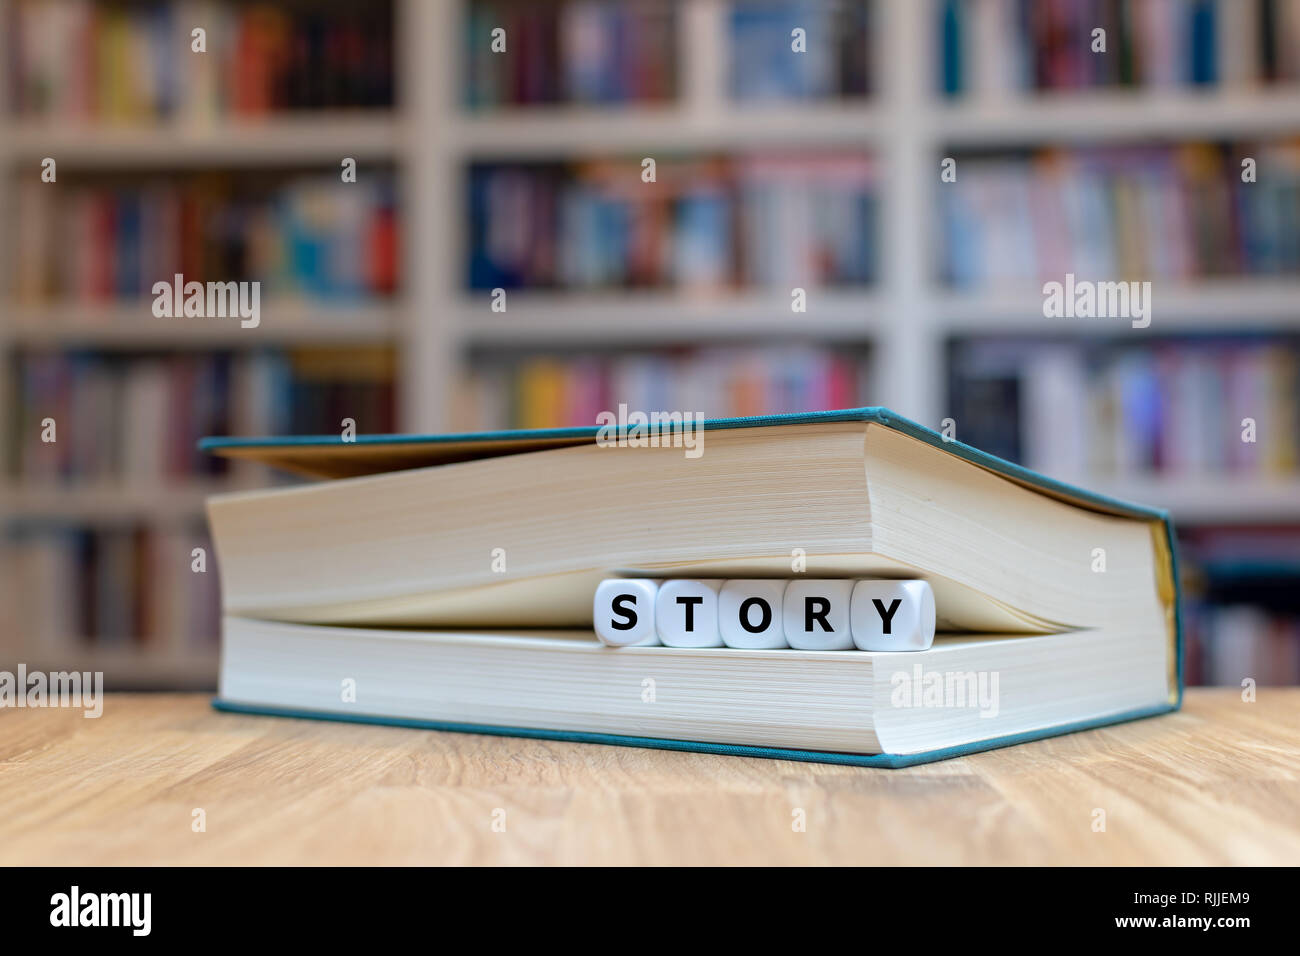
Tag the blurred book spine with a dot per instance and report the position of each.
(1242, 612)
(1156, 212)
(100, 242)
(836, 61)
(1176, 409)
(136, 420)
(111, 587)
(1229, 644)
(132, 63)
(549, 390)
(573, 51)
(779, 221)
(991, 48)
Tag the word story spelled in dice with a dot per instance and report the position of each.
(806, 614)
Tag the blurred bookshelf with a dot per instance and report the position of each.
(521, 170)
(1126, 167)
(216, 165)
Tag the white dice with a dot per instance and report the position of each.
(750, 614)
(807, 614)
(686, 613)
(817, 614)
(892, 615)
(623, 611)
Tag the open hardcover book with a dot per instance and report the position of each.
(446, 582)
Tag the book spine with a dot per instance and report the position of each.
(1163, 212)
(550, 390)
(1152, 43)
(92, 62)
(794, 221)
(342, 244)
(1192, 410)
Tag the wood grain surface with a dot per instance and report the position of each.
(1218, 782)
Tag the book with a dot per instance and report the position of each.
(1009, 47)
(546, 390)
(1180, 213)
(576, 52)
(1186, 408)
(137, 417)
(1239, 614)
(132, 584)
(448, 581)
(837, 40)
(133, 63)
(299, 235)
(759, 220)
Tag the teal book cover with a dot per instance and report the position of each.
(330, 456)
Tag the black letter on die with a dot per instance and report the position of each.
(689, 603)
(628, 612)
(816, 609)
(744, 615)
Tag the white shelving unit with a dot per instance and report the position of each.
(1256, 304)
(132, 325)
(909, 128)
(175, 145)
(1200, 500)
(1098, 117)
(702, 119)
(434, 324)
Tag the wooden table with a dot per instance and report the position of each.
(1217, 783)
